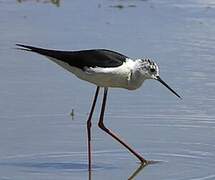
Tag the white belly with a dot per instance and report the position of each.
(117, 77)
(108, 77)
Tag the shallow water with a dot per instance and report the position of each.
(40, 140)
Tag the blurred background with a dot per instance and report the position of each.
(43, 108)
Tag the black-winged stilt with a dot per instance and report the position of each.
(104, 68)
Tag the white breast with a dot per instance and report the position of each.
(107, 77)
(118, 77)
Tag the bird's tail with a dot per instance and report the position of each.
(26, 47)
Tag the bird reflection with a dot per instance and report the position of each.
(140, 168)
(131, 177)
(90, 174)
(137, 171)
(134, 173)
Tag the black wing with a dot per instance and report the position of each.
(81, 59)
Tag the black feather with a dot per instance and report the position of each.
(81, 59)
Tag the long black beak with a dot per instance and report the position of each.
(165, 84)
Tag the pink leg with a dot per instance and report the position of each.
(89, 129)
(102, 126)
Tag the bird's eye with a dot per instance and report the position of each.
(152, 69)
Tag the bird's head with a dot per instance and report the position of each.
(150, 70)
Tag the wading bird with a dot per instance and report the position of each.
(105, 69)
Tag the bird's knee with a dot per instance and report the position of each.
(102, 126)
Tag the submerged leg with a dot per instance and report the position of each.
(89, 129)
(102, 126)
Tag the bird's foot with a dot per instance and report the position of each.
(145, 162)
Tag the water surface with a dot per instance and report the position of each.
(40, 140)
